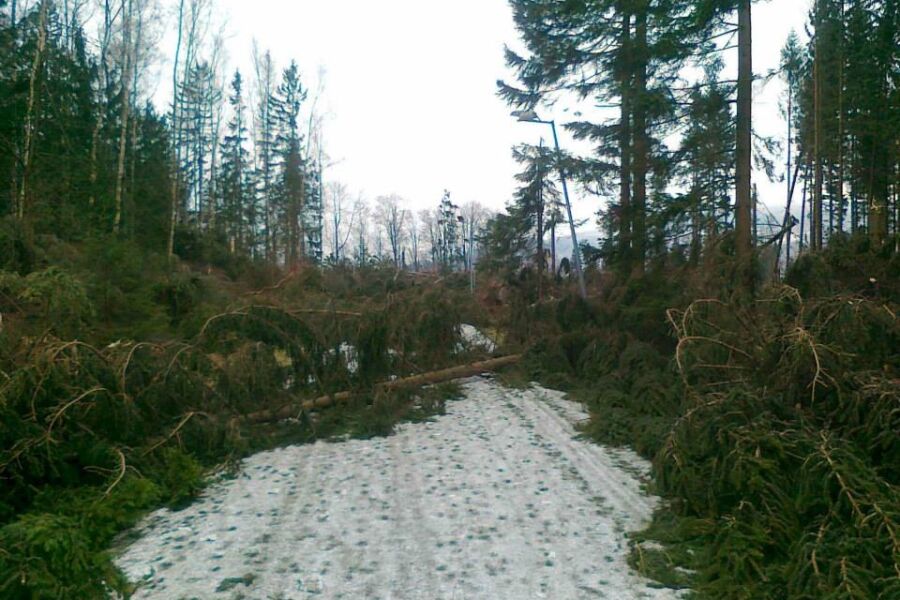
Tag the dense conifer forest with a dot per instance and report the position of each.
(177, 276)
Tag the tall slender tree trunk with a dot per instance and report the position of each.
(539, 234)
(243, 241)
(878, 205)
(897, 211)
(816, 226)
(641, 143)
(176, 159)
(135, 84)
(298, 223)
(841, 208)
(854, 196)
(67, 34)
(128, 49)
(696, 222)
(268, 221)
(803, 210)
(754, 195)
(132, 177)
(214, 165)
(553, 246)
(37, 65)
(13, 189)
(625, 144)
(743, 197)
(790, 183)
(101, 110)
(832, 197)
(787, 225)
(95, 144)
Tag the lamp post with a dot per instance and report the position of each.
(529, 116)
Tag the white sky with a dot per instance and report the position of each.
(410, 89)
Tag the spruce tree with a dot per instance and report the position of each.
(707, 168)
(238, 206)
(622, 55)
(285, 112)
(536, 194)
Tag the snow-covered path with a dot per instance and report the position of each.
(494, 500)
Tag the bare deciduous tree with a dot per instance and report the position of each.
(392, 217)
(362, 212)
(414, 239)
(337, 204)
(474, 217)
(429, 232)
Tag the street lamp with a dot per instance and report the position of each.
(529, 116)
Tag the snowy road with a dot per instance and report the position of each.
(495, 500)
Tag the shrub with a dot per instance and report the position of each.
(51, 295)
(17, 253)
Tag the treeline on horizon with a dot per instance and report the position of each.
(231, 168)
(86, 152)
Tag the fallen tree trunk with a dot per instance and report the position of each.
(291, 410)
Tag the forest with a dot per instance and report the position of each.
(177, 276)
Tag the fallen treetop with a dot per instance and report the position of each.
(433, 377)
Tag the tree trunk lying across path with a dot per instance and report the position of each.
(291, 410)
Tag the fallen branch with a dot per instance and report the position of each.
(122, 468)
(127, 361)
(174, 432)
(323, 311)
(60, 411)
(433, 377)
(277, 286)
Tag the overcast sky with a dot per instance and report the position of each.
(410, 89)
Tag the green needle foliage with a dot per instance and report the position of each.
(789, 444)
(100, 422)
(772, 423)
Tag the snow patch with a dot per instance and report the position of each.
(473, 339)
(349, 355)
(498, 499)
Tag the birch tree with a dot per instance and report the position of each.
(128, 52)
(35, 74)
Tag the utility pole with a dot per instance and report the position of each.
(540, 222)
(529, 116)
(577, 249)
